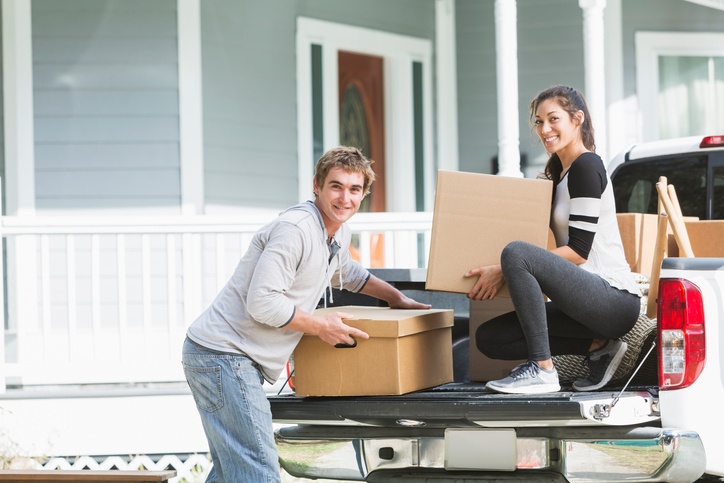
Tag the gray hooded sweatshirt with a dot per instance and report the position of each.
(288, 265)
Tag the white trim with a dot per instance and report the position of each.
(398, 52)
(191, 138)
(18, 107)
(649, 47)
(446, 87)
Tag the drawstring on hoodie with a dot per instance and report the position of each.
(333, 251)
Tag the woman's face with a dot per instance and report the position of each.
(555, 127)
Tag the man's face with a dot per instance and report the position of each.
(339, 198)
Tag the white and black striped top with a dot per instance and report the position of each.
(583, 216)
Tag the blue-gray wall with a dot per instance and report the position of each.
(249, 89)
(550, 51)
(105, 76)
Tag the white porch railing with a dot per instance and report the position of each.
(108, 300)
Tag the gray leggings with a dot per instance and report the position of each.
(583, 307)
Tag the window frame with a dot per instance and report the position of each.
(652, 45)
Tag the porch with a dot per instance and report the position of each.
(92, 300)
(95, 311)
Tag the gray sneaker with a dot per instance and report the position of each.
(527, 378)
(602, 365)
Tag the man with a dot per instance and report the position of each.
(251, 328)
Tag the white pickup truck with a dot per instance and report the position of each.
(665, 430)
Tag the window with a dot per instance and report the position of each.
(680, 84)
(634, 184)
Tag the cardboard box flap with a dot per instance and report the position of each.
(387, 322)
(476, 216)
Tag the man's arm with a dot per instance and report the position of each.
(382, 290)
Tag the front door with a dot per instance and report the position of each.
(361, 116)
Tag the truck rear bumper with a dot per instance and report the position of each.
(577, 454)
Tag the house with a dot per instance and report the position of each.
(143, 141)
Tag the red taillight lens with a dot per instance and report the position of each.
(682, 346)
(712, 142)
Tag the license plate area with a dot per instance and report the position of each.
(480, 449)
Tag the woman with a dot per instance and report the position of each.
(594, 298)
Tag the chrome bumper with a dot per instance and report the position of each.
(641, 454)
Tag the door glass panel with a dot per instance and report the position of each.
(317, 106)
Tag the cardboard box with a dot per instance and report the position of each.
(408, 350)
(483, 368)
(475, 217)
(638, 235)
(706, 237)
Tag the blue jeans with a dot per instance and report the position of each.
(229, 394)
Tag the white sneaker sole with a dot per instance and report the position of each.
(537, 389)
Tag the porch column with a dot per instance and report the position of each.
(18, 107)
(506, 55)
(595, 72)
(190, 107)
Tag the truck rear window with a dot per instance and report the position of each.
(634, 184)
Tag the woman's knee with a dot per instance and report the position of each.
(514, 252)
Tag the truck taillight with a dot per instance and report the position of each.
(712, 142)
(680, 320)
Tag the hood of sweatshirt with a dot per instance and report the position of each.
(330, 242)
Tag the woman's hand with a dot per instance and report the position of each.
(490, 280)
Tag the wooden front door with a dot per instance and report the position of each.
(361, 116)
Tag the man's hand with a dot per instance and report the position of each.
(406, 302)
(333, 330)
(490, 281)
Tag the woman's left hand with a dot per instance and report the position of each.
(490, 280)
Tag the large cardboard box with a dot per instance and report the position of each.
(483, 368)
(638, 235)
(475, 217)
(706, 237)
(408, 350)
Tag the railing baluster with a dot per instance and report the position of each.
(221, 268)
(71, 298)
(146, 280)
(192, 276)
(122, 295)
(172, 300)
(45, 291)
(95, 260)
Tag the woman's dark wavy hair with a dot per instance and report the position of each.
(571, 101)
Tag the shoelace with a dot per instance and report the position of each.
(529, 368)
